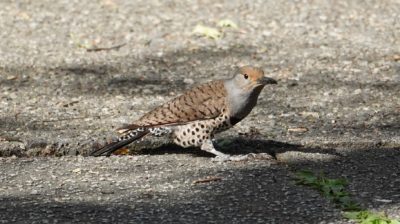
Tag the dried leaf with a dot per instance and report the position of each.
(123, 151)
(109, 3)
(11, 77)
(77, 170)
(298, 129)
(23, 15)
(227, 23)
(207, 32)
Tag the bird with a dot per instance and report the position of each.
(193, 118)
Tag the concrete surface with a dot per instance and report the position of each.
(336, 109)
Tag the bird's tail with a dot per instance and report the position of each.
(129, 137)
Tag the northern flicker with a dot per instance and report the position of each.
(193, 118)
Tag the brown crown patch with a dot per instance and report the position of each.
(254, 73)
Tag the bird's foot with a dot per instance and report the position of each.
(222, 158)
(246, 157)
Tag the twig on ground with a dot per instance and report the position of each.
(9, 139)
(94, 49)
(207, 179)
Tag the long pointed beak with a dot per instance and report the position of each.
(267, 80)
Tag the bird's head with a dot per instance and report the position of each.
(250, 78)
(244, 88)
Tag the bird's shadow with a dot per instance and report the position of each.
(237, 146)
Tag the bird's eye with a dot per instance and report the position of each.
(246, 76)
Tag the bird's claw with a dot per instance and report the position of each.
(238, 158)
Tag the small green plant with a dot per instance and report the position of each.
(367, 217)
(334, 190)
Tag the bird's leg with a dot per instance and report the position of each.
(208, 146)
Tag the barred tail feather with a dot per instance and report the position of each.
(124, 140)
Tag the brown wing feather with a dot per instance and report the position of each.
(202, 102)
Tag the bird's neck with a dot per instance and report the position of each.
(240, 102)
